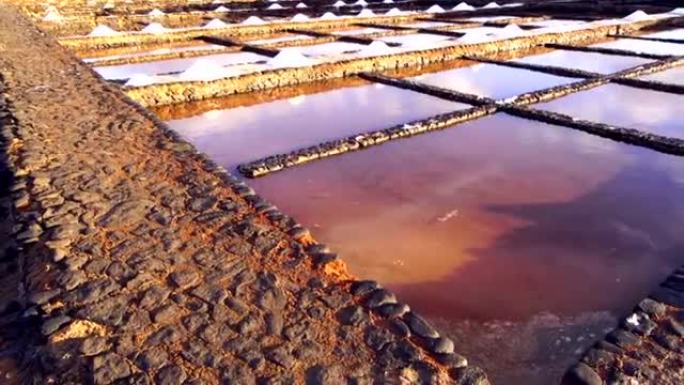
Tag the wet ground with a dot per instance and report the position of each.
(587, 61)
(650, 111)
(491, 80)
(502, 234)
(241, 134)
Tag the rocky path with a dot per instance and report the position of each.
(137, 261)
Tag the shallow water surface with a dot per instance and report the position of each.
(645, 110)
(645, 46)
(671, 76)
(236, 135)
(671, 34)
(523, 240)
(586, 61)
(491, 80)
(125, 71)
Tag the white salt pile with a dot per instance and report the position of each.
(215, 23)
(221, 8)
(139, 80)
(154, 28)
(339, 3)
(678, 11)
(156, 12)
(366, 13)
(637, 16)
(388, 2)
(394, 12)
(290, 57)
(253, 20)
(362, 3)
(511, 30)
(202, 70)
(463, 6)
(376, 48)
(52, 14)
(328, 16)
(275, 6)
(492, 5)
(300, 17)
(301, 6)
(435, 9)
(103, 30)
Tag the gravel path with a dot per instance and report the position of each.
(139, 262)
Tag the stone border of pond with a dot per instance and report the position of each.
(644, 347)
(514, 105)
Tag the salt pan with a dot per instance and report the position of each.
(139, 80)
(275, 6)
(492, 5)
(253, 20)
(156, 12)
(154, 28)
(435, 9)
(103, 30)
(366, 13)
(52, 14)
(202, 70)
(637, 16)
(300, 17)
(462, 6)
(290, 57)
(215, 23)
(328, 16)
(301, 6)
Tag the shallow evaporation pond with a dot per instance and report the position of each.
(671, 76)
(358, 31)
(419, 40)
(586, 61)
(280, 39)
(645, 46)
(524, 242)
(328, 50)
(237, 135)
(650, 111)
(125, 71)
(671, 34)
(491, 80)
(427, 24)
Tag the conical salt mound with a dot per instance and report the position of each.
(221, 9)
(376, 48)
(215, 23)
(678, 11)
(511, 30)
(156, 12)
(154, 28)
(328, 16)
(103, 30)
(387, 1)
(492, 5)
(339, 3)
(637, 16)
(463, 7)
(275, 6)
(300, 17)
(52, 14)
(366, 13)
(290, 58)
(139, 80)
(301, 5)
(362, 3)
(394, 12)
(253, 20)
(435, 9)
(203, 69)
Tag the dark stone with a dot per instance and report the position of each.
(609, 347)
(92, 346)
(202, 203)
(109, 367)
(598, 357)
(184, 278)
(170, 375)
(451, 360)
(469, 375)
(392, 310)
(51, 325)
(274, 323)
(273, 299)
(210, 293)
(652, 307)
(352, 315)
(237, 374)
(643, 325)
(623, 339)
(166, 313)
(135, 379)
(152, 359)
(199, 354)
(406, 351)
(675, 327)
(380, 297)
(399, 328)
(165, 335)
(109, 311)
(377, 338)
(324, 375)
(360, 288)
(442, 345)
(419, 326)
(154, 296)
(250, 324)
(581, 374)
(281, 356)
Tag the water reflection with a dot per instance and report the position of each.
(497, 82)
(646, 46)
(671, 34)
(498, 223)
(651, 111)
(672, 76)
(236, 135)
(587, 61)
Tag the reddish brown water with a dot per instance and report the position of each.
(651, 111)
(523, 241)
(587, 61)
(491, 80)
(241, 134)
